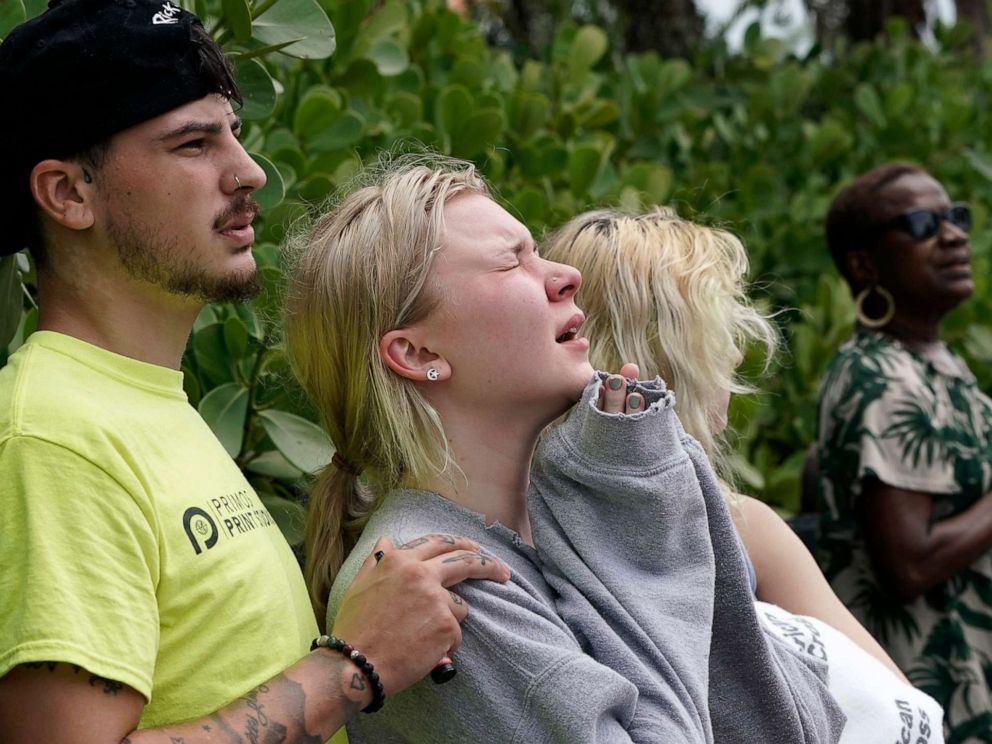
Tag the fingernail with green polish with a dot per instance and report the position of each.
(635, 401)
(615, 383)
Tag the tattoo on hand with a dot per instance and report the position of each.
(357, 683)
(455, 598)
(468, 558)
(443, 537)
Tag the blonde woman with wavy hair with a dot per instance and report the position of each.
(671, 296)
(437, 345)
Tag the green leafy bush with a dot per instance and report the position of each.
(756, 141)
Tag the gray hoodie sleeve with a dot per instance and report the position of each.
(620, 526)
(634, 534)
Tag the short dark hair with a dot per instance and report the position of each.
(851, 215)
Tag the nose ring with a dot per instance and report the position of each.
(238, 182)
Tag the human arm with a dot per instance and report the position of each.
(909, 551)
(398, 613)
(620, 523)
(789, 577)
(644, 536)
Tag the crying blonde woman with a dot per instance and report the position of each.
(438, 344)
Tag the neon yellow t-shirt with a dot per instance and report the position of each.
(130, 543)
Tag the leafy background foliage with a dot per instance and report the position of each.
(757, 141)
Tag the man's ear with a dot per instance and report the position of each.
(64, 190)
(861, 268)
(403, 354)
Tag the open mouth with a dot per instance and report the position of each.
(571, 331)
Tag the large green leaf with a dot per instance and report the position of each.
(290, 516)
(12, 13)
(869, 104)
(389, 57)
(213, 361)
(257, 88)
(224, 409)
(274, 190)
(389, 19)
(583, 167)
(301, 442)
(588, 47)
(452, 109)
(274, 465)
(317, 110)
(237, 15)
(236, 336)
(346, 130)
(480, 130)
(528, 113)
(11, 299)
(302, 22)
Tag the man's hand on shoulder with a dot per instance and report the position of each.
(400, 612)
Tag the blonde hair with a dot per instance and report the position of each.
(361, 271)
(669, 295)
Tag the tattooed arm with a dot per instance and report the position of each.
(398, 612)
(54, 702)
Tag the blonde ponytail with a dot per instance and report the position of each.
(361, 271)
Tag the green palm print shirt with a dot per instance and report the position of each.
(914, 419)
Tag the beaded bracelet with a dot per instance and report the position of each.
(336, 644)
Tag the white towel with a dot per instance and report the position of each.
(879, 706)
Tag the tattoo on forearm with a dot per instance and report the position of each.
(455, 598)
(257, 720)
(223, 727)
(177, 740)
(259, 717)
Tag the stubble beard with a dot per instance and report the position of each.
(158, 261)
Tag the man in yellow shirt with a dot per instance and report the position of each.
(145, 593)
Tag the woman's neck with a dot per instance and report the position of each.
(494, 454)
(914, 331)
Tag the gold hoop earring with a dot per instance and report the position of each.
(859, 309)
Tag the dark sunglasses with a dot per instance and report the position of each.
(923, 224)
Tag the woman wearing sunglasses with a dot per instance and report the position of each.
(905, 444)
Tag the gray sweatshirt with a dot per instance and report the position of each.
(635, 537)
(606, 634)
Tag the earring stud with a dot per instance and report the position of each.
(433, 374)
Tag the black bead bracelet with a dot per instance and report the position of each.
(364, 665)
